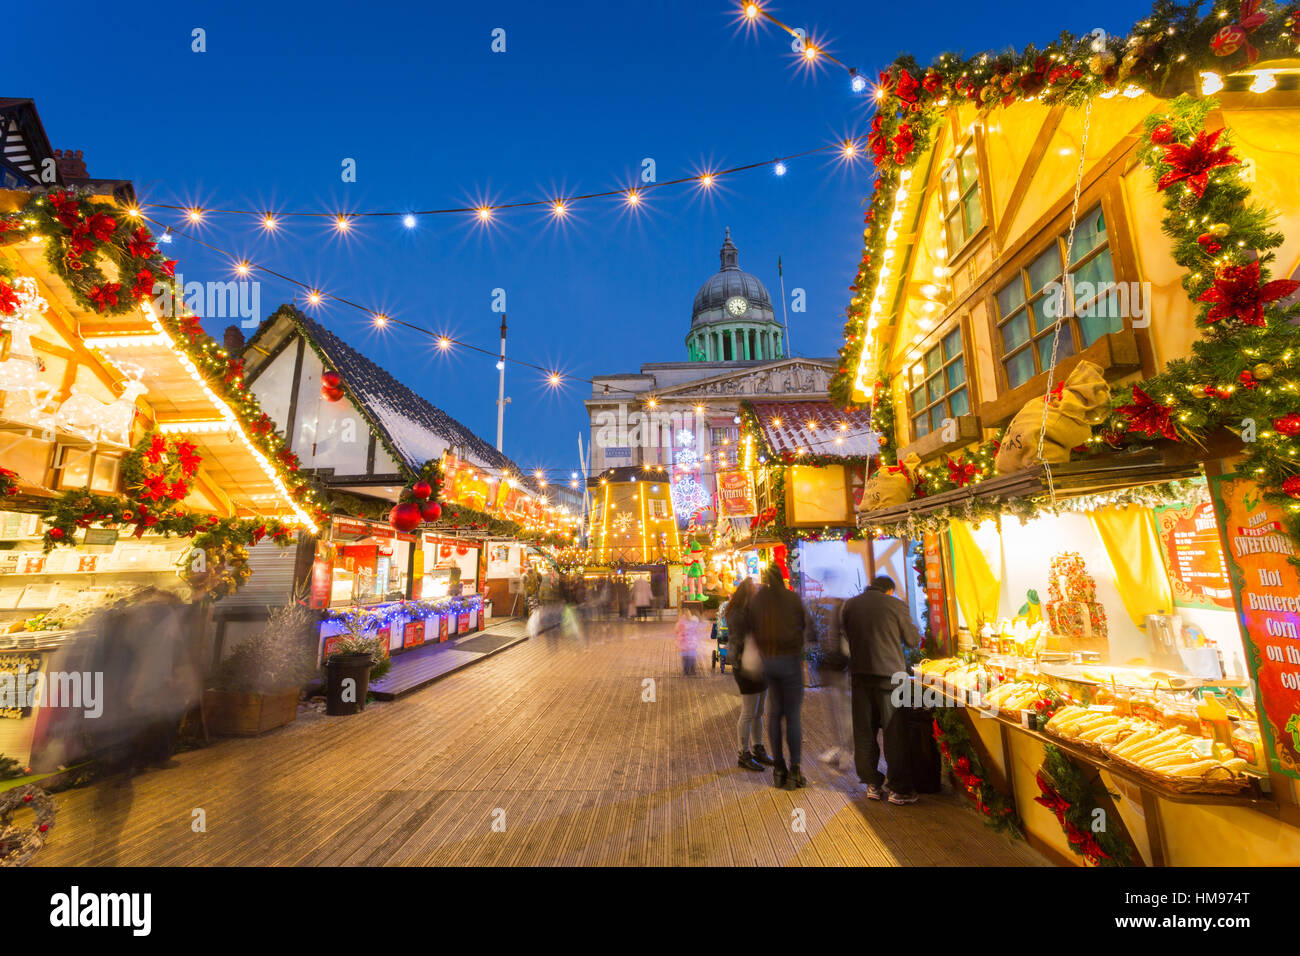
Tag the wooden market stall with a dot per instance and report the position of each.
(1076, 338)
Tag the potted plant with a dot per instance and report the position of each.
(354, 662)
(256, 688)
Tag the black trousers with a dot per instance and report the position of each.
(874, 712)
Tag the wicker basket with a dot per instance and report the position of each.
(1218, 783)
(1089, 746)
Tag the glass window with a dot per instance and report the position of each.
(960, 196)
(1097, 307)
(939, 388)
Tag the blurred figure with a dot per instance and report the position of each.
(780, 626)
(641, 596)
(688, 639)
(752, 686)
(877, 626)
(834, 671)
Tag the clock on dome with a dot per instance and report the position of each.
(737, 305)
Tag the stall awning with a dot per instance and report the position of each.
(1072, 480)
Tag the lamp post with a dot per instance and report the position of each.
(501, 385)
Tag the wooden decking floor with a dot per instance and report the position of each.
(544, 754)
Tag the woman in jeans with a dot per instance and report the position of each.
(776, 620)
(753, 690)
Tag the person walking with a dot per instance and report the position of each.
(752, 685)
(777, 622)
(641, 596)
(687, 634)
(833, 667)
(877, 626)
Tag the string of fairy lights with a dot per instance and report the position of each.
(810, 50)
(559, 207)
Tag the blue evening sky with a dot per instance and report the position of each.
(433, 118)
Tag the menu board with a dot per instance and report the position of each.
(934, 587)
(736, 497)
(1193, 556)
(1267, 590)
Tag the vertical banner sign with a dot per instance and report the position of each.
(1193, 556)
(736, 498)
(322, 575)
(1267, 589)
(934, 586)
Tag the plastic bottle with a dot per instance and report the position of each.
(1214, 719)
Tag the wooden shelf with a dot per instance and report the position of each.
(84, 574)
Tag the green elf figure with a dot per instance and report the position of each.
(695, 571)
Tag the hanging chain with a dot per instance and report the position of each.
(1067, 302)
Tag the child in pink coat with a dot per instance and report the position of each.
(688, 639)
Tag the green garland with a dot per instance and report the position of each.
(1067, 793)
(8, 482)
(954, 741)
(883, 419)
(1162, 56)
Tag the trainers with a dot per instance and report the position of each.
(902, 799)
(875, 792)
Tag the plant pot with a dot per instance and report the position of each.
(238, 714)
(339, 670)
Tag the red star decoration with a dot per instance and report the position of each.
(1193, 162)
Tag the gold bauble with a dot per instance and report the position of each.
(1099, 63)
(1219, 230)
(1263, 371)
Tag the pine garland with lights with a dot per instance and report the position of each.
(1162, 56)
(8, 482)
(954, 740)
(1067, 793)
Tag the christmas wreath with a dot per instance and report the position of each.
(953, 738)
(19, 844)
(1065, 791)
(109, 262)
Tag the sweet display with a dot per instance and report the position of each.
(1072, 607)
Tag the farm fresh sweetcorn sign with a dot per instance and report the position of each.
(1267, 590)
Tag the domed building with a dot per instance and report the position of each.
(732, 318)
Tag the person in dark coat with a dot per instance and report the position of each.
(777, 622)
(753, 688)
(877, 626)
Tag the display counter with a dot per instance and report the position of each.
(404, 625)
(1216, 817)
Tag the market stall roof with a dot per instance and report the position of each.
(816, 427)
(237, 476)
(411, 426)
(1071, 480)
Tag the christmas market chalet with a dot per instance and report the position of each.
(1074, 324)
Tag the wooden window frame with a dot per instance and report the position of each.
(949, 210)
(1018, 268)
(936, 342)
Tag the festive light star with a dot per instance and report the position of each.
(342, 223)
(779, 169)
(751, 10)
(706, 180)
(444, 343)
(484, 213)
(314, 297)
(558, 209)
(857, 82)
(242, 267)
(268, 222)
(196, 214)
(381, 320)
(554, 379)
(408, 221)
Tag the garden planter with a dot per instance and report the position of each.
(338, 670)
(236, 714)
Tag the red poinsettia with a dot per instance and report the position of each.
(932, 82)
(907, 87)
(187, 453)
(8, 299)
(1148, 416)
(1051, 799)
(157, 448)
(105, 296)
(143, 286)
(169, 268)
(904, 143)
(101, 226)
(961, 472)
(155, 488)
(141, 244)
(178, 491)
(1193, 162)
(1237, 294)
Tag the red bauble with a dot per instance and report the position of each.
(1292, 486)
(422, 489)
(331, 394)
(56, 533)
(431, 511)
(1288, 425)
(331, 379)
(1162, 134)
(405, 517)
